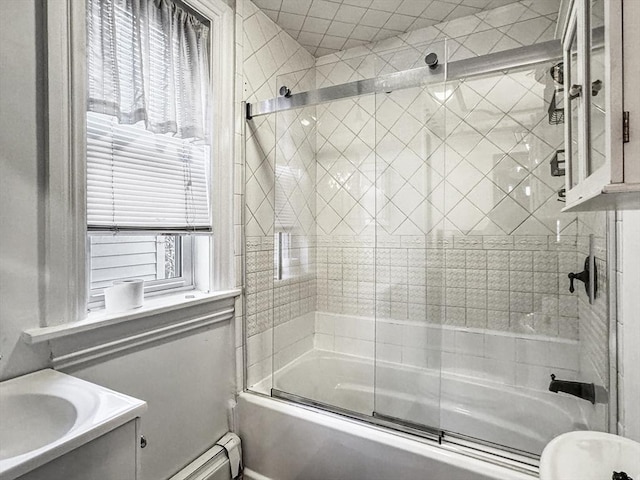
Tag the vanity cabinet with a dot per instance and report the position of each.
(601, 57)
(112, 456)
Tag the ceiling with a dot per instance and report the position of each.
(327, 26)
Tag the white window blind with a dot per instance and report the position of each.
(286, 186)
(138, 180)
(148, 164)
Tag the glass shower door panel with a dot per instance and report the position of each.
(510, 320)
(294, 253)
(323, 345)
(259, 267)
(409, 251)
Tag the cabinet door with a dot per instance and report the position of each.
(575, 115)
(593, 97)
(112, 456)
(597, 154)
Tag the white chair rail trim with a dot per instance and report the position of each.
(94, 339)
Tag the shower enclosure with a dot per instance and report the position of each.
(414, 269)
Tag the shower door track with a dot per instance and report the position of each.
(457, 70)
(486, 451)
(427, 433)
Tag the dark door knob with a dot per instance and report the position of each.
(584, 277)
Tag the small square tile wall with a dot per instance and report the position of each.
(509, 283)
(594, 318)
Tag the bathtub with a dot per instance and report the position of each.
(285, 441)
(520, 418)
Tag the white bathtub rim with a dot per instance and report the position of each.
(449, 455)
(540, 396)
(464, 375)
(467, 377)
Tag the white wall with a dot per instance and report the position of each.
(188, 380)
(20, 160)
(628, 276)
(188, 386)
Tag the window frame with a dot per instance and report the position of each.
(184, 282)
(64, 288)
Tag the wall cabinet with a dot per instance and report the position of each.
(600, 59)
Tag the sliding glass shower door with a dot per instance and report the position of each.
(294, 366)
(418, 254)
(410, 193)
(358, 248)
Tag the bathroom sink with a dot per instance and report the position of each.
(46, 414)
(588, 455)
(24, 414)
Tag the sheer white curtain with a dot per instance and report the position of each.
(148, 61)
(148, 155)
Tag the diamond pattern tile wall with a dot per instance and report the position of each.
(497, 160)
(506, 164)
(345, 164)
(467, 160)
(280, 171)
(498, 145)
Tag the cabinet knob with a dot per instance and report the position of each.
(143, 441)
(575, 91)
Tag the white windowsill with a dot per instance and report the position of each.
(152, 306)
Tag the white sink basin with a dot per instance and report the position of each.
(24, 414)
(589, 456)
(46, 414)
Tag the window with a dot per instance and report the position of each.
(148, 156)
(96, 82)
(162, 261)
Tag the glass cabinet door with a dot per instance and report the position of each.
(578, 94)
(573, 105)
(599, 90)
(592, 45)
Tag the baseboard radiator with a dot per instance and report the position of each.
(223, 461)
